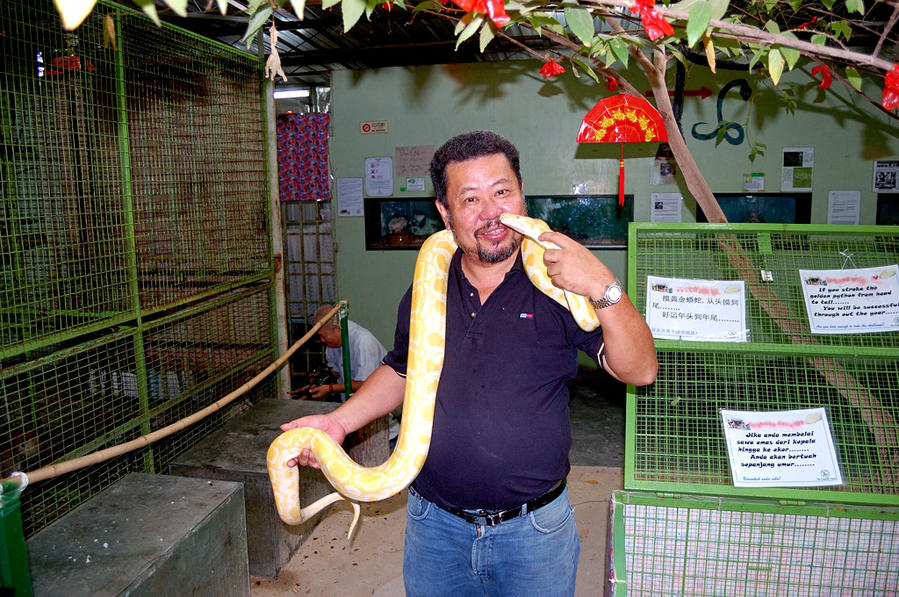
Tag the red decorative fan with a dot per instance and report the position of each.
(622, 119)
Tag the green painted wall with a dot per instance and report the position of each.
(427, 105)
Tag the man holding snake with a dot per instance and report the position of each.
(489, 513)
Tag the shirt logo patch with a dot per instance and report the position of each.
(526, 316)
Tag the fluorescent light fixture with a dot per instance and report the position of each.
(288, 93)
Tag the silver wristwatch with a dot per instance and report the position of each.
(611, 296)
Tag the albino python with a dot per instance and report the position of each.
(356, 483)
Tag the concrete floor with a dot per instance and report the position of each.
(327, 565)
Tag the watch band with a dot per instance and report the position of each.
(611, 296)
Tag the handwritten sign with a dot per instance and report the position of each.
(792, 448)
(679, 309)
(852, 301)
(413, 160)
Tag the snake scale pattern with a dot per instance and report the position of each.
(356, 483)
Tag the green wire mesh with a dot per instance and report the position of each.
(114, 388)
(131, 177)
(708, 547)
(136, 281)
(674, 437)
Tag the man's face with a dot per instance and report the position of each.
(477, 192)
(329, 335)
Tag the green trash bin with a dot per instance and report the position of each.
(14, 570)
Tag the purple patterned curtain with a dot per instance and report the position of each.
(303, 157)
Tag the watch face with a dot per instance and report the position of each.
(613, 293)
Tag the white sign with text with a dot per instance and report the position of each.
(790, 448)
(851, 301)
(701, 310)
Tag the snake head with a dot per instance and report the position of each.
(530, 227)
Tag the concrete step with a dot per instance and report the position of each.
(147, 535)
(237, 453)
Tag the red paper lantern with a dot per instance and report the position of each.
(622, 119)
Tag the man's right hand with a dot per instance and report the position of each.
(327, 423)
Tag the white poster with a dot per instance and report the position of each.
(698, 310)
(886, 176)
(349, 196)
(790, 448)
(666, 207)
(379, 177)
(843, 207)
(851, 301)
(797, 168)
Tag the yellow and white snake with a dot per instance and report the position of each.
(356, 483)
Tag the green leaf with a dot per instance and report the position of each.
(819, 39)
(428, 5)
(299, 6)
(619, 48)
(179, 7)
(587, 68)
(828, 4)
(698, 22)
(856, 6)
(326, 4)
(469, 30)
(149, 9)
(540, 21)
(685, 5)
(772, 27)
(769, 4)
(678, 55)
(841, 28)
(775, 65)
(854, 78)
(487, 34)
(257, 20)
(791, 55)
(352, 10)
(223, 6)
(719, 8)
(756, 56)
(580, 21)
(795, 4)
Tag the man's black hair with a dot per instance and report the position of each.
(469, 146)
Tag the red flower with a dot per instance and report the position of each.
(551, 69)
(612, 83)
(654, 23)
(891, 89)
(826, 79)
(495, 9)
(387, 5)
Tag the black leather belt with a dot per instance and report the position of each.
(494, 517)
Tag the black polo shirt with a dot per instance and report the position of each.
(501, 429)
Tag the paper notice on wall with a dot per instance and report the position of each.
(852, 301)
(797, 168)
(886, 176)
(844, 207)
(710, 310)
(792, 448)
(666, 207)
(349, 196)
(379, 177)
(412, 160)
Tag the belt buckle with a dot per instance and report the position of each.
(494, 518)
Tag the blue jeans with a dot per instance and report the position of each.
(532, 555)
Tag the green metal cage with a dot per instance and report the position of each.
(136, 284)
(704, 546)
(675, 442)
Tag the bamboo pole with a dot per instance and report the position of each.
(20, 480)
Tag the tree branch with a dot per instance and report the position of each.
(753, 35)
